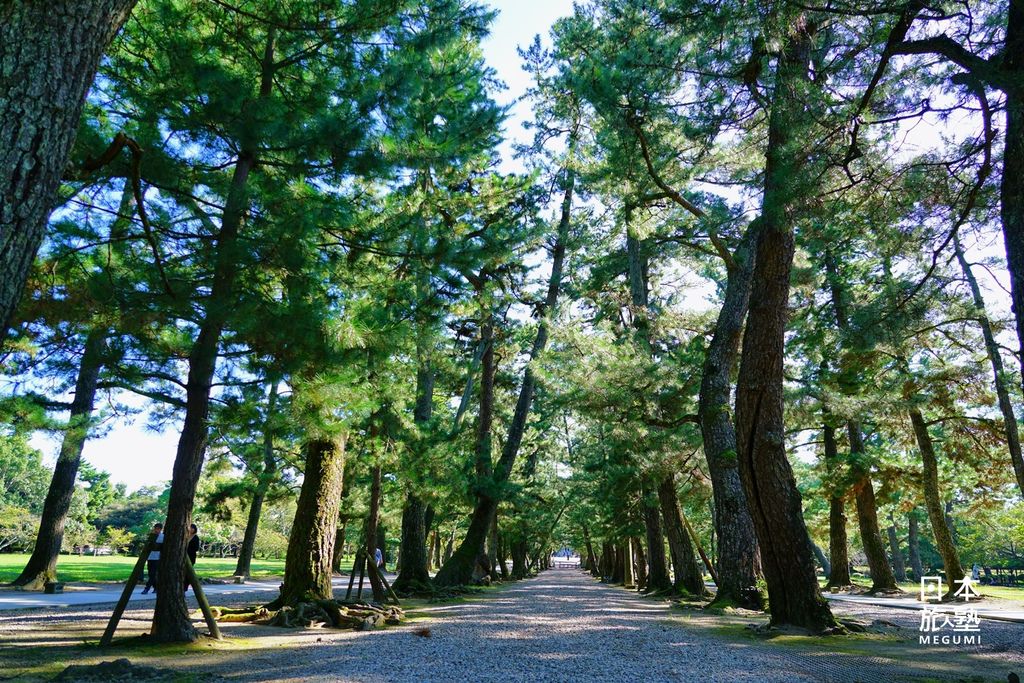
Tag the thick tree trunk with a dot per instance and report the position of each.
(914, 546)
(519, 560)
(307, 572)
(739, 563)
(171, 621)
(460, 569)
(50, 53)
(266, 477)
(839, 559)
(996, 360)
(771, 492)
(415, 570)
(933, 501)
(1011, 191)
(372, 535)
(42, 564)
(882, 578)
(657, 579)
(688, 578)
(899, 566)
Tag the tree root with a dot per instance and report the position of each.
(316, 614)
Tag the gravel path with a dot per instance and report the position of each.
(561, 625)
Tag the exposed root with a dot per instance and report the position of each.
(316, 614)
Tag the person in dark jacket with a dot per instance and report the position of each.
(153, 561)
(192, 549)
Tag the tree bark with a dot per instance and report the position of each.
(657, 579)
(771, 492)
(899, 566)
(266, 478)
(882, 578)
(933, 501)
(372, 540)
(463, 560)
(42, 563)
(49, 54)
(415, 570)
(996, 360)
(839, 558)
(519, 560)
(307, 572)
(1011, 192)
(914, 545)
(688, 577)
(739, 562)
(171, 621)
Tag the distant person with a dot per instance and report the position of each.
(153, 561)
(192, 549)
(378, 557)
(976, 572)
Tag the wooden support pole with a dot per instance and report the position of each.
(126, 594)
(362, 570)
(387, 586)
(204, 605)
(352, 574)
(700, 550)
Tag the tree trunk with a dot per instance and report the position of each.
(372, 540)
(839, 559)
(307, 571)
(771, 492)
(657, 580)
(339, 545)
(50, 53)
(266, 477)
(826, 566)
(739, 562)
(459, 569)
(171, 622)
(688, 578)
(519, 560)
(415, 571)
(914, 546)
(640, 568)
(42, 564)
(1011, 191)
(473, 544)
(882, 578)
(899, 566)
(996, 360)
(933, 501)
(628, 568)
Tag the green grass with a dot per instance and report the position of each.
(117, 568)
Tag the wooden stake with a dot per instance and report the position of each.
(352, 574)
(362, 569)
(197, 588)
(126, 594)
(387, 586)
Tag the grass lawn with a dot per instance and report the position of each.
(117, 568)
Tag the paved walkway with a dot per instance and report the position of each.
(74, 596)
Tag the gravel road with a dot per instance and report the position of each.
(560, 626)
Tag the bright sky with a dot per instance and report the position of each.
(138, 457)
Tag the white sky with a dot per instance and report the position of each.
(138, 457)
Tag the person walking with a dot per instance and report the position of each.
(153, 561)
(192, 549)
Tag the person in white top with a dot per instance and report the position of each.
(153, 561)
